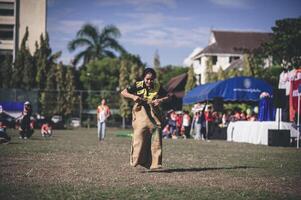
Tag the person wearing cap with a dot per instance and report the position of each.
(25, 128)
(146, 148)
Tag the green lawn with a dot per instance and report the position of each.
(74, 165)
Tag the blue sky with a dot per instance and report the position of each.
(172, 27)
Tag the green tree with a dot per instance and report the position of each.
(221, 74)
(170, 71)
(49, 95)
(29, 71)
(233, 73)
(44, 60)
(210, 76)
(70, 94)
(101, 75)
(157, 66)
(247, 69)
(135, 66)
(190, 80)
(60, 88)
(97, 44)
(124, 108)
(23, 66)
(285, 44)
(6, 72)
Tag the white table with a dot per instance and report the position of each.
(255, 132)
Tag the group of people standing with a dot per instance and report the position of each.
(181, 124)
(177, 125)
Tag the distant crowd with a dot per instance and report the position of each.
(202, 123)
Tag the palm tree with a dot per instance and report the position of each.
(96, 44)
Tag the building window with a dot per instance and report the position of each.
(6, 54)
(214, 60)
(200, 61)
(6, 9)
(232, 58)
(6, 32)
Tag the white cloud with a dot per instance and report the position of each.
(71, 26)
(159, 29)
(139, 4)
(232, 3)
(171, 37)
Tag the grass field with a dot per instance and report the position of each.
(73, 165)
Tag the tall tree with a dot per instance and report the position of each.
(190, 79)
(23, 66)
(101, 75)
(125, 110)
(221, 74)
(41, 54)
(60, 88)
(70, 95)
(45, 60)
(210, 76)
(285, 45)
(157, 66)
(6, 72)
(97, 44)
(134, 65)
(247, 69)
(49, 95)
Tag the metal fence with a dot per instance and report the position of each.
(84, 108)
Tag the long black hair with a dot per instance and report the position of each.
(149, 71)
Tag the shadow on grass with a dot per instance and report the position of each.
(195, 169)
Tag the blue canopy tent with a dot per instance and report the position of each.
(241, 89)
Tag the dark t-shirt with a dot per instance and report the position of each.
(135, 88)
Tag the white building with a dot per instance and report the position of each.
(15, 16)
(226, 49)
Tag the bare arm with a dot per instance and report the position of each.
(128, 95)
(156, 102)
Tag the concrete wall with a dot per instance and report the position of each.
(33, 14)
(223, 61)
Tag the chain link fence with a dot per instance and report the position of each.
(84, 108)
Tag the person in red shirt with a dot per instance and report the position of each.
(46, 130)
(179, 120)
(103, 112)
(209, 121)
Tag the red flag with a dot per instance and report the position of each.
(294, 98)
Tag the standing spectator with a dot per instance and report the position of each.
(147, 120)
(103, 112)
(172, 122)
(179, 120)
(186, 124)
(225, 120)
(197, 126)
(209, 122)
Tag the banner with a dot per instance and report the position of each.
(294, 98)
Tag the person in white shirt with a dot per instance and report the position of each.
(103, 112)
